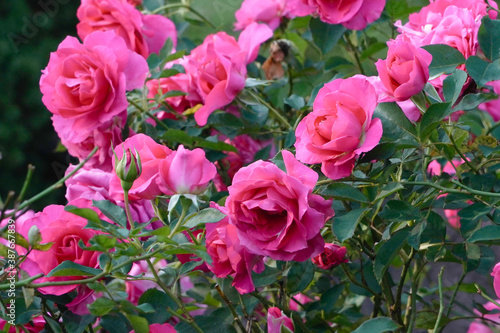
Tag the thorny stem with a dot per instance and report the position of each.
(192, 10)
(441, 302)
(231, 308)
(274, 112)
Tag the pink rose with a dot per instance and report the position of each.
(229, 256)
(340, 127)
(185, 171)
(353, 14)
(277, 322)
(405, 71)
(478, 327)
(94, 184)
(276, 213)
(160, 328)
(105, 136)
(85, 84)
(332, 256)
(269, 12)
(493, 107)
(65, 230)
(218, 67)
(302, 299)
(496, 279)
(151, 153)
(135, 288)
(144, 34)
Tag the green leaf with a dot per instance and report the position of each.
(471, 101)
(344, 192)
(160, 302)
(111, 211)
(75, 323)
(343, 227)
(372, 49)
(482, 71)
(431, 118)
(484, 234)
(453, 84)
(388, 190)
(295, 101)
(393, 113)
(299, 276)
(139, 324)
(101, 306)
(330, 297)
(268, 276)
(325, 36)
(188, 267)
(207, 215)
(86, 213)
(114, 323)
(398, 211)
(69, 268)
(377, 325)
(388, 251)
(489, 38)
(444, 58)
(182, 137)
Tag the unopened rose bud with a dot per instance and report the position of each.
(34, 236)
(128, 168)
(333, 255)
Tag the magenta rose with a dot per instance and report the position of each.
(276, 213)
(332, 256)
(218, 67)
(185, 171)
(405, 71)
(151, 153)
(269, 12)
(35, 325)
(496, 279)
(65, 231)
(144, 34)
(353, 14)
(340, 127)
(277, 322)
(229, 256)
(85, 84)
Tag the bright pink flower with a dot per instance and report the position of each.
(405, 71)
(218, 67)
(478, 327)
(496, 279)
(229, 256)
(185, 171)
(135, 288)
(332, 256)
(94, 184)
(276, 213)
(269, 12)
(353, 14)
(85, 84)
(277, 322)
(65, 230)
(152, 153)
(144, 34)
(36, 324)
(340, 127)
(105, 136)
(493, 107)
(302, 299)
(160, 328)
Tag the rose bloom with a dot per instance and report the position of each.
(269, 12)
(493, 106)
(333, 255)
(277, 322)
(218, 67)
(144, 34)
(135, 288)
(496, 279)
(85, 84)
(478, 327)
(340, 127)
(229, 256)
(185, 171)
(151, 153)
(65, 230)
(405, 71)
(352, 14)
(276, 213)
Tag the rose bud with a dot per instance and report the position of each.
(128, 169)
(333, 255)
